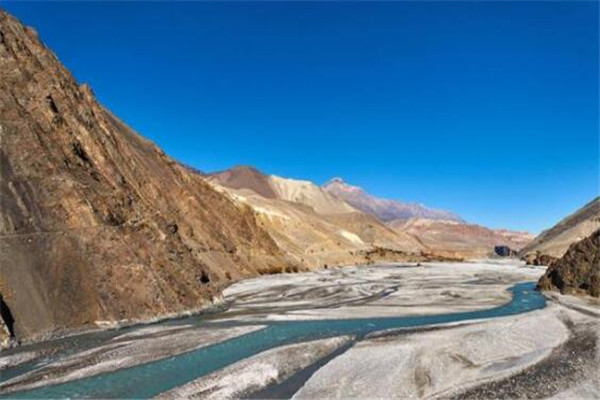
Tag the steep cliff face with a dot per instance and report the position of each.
(97, 223)
(578, 271)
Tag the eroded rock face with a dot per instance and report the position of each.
(578, 271)
(96, 222)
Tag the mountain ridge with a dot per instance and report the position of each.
(316, 228)
(384, 209)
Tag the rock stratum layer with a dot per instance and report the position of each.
(578, 271)
(97, 223)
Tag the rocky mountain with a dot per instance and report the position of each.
(275, 187)
(578, 271)
(314, 227)
(274, 198)
(97, 224)
(460, 239)
(384, 209)
(440, 232)
(246, 177)
(555, 241)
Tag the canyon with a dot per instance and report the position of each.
(126, 274)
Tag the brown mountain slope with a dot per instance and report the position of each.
(275, 187)
(313, 227)
(577, 226)
(244, 177)
(97, 223)
(460, 239)
(578, 271)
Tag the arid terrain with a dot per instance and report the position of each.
(319, 228)
(428, 359)
(127, 274)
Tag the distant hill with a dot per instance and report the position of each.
(457, 238)
(245, 177)
(316, 225)
(313, 226)
(575, 227)
(384, 209)
(275, 187)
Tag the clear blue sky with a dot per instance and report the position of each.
(488, 109)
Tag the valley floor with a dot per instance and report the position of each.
(550, 352)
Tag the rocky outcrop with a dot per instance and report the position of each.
(578, 271)
(97, 223)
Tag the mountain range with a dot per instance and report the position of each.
(382, 223)
(384, 209)
(99, 227)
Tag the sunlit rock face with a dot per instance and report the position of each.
(578, 271)
(97, 223)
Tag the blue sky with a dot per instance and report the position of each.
(488, 109)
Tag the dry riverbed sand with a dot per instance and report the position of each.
(377, 291)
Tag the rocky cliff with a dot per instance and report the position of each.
(578, 271)
(96, 223)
